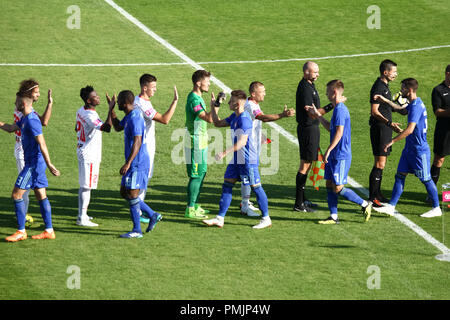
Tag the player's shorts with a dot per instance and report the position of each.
(441, 140)
(337, 171)
(18, 154)
(247, 174)
(88, 174)
(196, 162)
(419, 164)
(135, 179)
(33, 177)
(380, 135)
(309, 141)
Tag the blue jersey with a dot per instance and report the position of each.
(416, 142)
(341, 117)
(134, 125)
(30, 126)
(242, 124)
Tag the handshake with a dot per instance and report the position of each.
(220, 98)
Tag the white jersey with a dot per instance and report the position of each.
(148, 112)
(254, 110)
(89, 136)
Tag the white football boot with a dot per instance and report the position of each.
(435, 212)
(249, 209)
(86, 223)
(388, 209)
(217, 221)
(265, 222)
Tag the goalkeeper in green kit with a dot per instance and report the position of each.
(196, 142)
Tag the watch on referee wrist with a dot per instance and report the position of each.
(389, 123)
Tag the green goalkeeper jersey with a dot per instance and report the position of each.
(196, 134)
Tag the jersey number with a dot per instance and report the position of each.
(80, 132)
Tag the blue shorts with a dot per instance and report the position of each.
(33, 176)
(419, 164)
(337, 171)
(135, 179)
(248, 174)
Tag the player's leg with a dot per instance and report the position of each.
(379, 137)
(130, 192)
(309, 141)
(332, 197)
(435, 171)
(422, 171)
(247, 208)
(19, 208)
(441, 148)
(20, 162)
(196, 170)
(88, 174)
(46, 213)
(250, 175)
(230, 178)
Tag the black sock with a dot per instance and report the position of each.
(300, 182)
(374, 182)
(435, 171)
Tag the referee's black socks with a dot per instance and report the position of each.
(435, 172)
(375, 182)
(300, 182)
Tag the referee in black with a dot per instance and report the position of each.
(381, 127)
(440, 99)
(307, 131)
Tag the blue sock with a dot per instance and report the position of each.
(19, 206)
(397, 191)
(332, 199)
(134, 212)
(351, 195)
(263, 202)
(146, 209)
(46, 213)
(432, 192)
(225, 199)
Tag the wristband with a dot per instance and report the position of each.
(219, 99)
(389, 123)
(328, 108)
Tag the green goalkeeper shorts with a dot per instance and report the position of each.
(196, 162)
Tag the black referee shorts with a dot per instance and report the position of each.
(441, 141)
(380, 135)
(308, 141)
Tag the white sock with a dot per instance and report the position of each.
(220, 218)
(334, 216)
(84, 197)
(245, 193)
(49, 230)
(364, 204)
(26, 200)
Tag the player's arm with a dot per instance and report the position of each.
(392, 104)
(277, 116)
(137, 142)
(41, 141)
(45, 118)
(167, 116)
(318, 115)
(377, 115)
(409, 129)
(436, 101)
(9, 127)
(334, 142)
(216, 120)
(240, 143)
(106, 126)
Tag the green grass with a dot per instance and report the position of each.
(182, 259)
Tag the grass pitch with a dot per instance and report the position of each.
(182, 259)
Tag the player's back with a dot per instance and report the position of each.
(89, 135)
(416, 142)
(134, 125)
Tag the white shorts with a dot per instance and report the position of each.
(18, 154)
(88, 174)
(151, 155)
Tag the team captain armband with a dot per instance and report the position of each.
(328, 108)
(198, 108)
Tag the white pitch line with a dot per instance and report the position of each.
(151, 33)
(430, 239)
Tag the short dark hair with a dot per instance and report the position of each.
(336, 84)
(448, 68)
(85, 92)
(199, 75)
(254, 85)
(386, 65)
(26, 87)
(410, 83)
(239, 94)
(146, 78)
(125, 97)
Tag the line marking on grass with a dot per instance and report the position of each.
(162, 41)
(425, 235)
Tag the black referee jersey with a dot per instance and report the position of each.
(306, 95)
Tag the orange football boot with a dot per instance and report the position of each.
(45, 235)
(17, 236)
